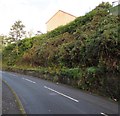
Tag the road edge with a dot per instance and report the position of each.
(20, 106)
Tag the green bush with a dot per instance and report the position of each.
(84, 51)
(74, 73)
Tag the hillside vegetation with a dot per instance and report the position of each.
(84, 53)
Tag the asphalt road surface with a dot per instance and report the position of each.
(44, 97)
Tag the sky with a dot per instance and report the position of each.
(35, 13)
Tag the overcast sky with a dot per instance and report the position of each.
(35, 13)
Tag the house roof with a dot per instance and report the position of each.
(60, 11)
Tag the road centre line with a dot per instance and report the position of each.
(28, 80)
(61, 94)
(103, 114)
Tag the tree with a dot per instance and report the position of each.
(3, 41)
(17, 32)
(2, 44)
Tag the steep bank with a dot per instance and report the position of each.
(84, 53)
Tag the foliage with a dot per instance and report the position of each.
(73, 73)
(17, 31)
(10, 55)
(84, 53)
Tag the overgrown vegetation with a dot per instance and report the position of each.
(84, 53)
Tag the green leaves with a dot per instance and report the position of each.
(83, 52)
(17, 31)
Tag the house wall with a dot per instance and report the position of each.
(115, 10)
(60, 18)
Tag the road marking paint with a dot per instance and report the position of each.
(61, 94)
(103, 114)
(28, 80)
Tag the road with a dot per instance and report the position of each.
(44, 97)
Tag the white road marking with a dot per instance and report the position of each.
(28, 80)
(103, 114)
(61, 94)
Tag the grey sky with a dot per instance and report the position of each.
(35, 13)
